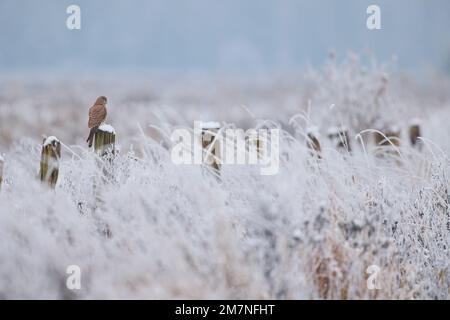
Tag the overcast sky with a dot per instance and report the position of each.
(218, 34)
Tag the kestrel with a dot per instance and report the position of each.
(97, 114)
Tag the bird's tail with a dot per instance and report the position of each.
(90, 139)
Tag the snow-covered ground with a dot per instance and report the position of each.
(153, 229)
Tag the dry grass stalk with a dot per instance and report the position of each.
(328, 271)
(50, 156)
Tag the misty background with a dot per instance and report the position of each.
(231, 35)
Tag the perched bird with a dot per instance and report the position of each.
(97, 114)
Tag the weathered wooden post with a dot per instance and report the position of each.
(50, 156)
(257, 142)
(1, 170)
(415, 134)
(391, 137)
(105, 148)
(105, 141)
(211, 143)
(388, 142)
(312, 142)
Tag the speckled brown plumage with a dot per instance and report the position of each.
(97, 115)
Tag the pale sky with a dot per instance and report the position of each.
(218, 34)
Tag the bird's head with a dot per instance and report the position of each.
(101, 100)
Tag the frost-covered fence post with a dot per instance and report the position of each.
(1, 170)
(105, 141)
(388, 141)
(105, 148)
(415, 134)
(257, 143)
(211, 143)
(50, 156)
(390, 137)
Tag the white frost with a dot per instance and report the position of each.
(107, 128)
(210, 125)
(337, 130)
(50, 140)
(313, 130)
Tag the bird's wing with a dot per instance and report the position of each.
(97, 114)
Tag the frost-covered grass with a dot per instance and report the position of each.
(152, 229)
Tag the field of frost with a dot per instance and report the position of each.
(152, 229)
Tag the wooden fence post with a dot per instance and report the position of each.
(391, 137)
(105, 141)
(414, 134)
(50, 156)
(388, 142)
(211, 143)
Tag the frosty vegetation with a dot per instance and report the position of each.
(50, 140)
(106, 128)
(152, 229)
